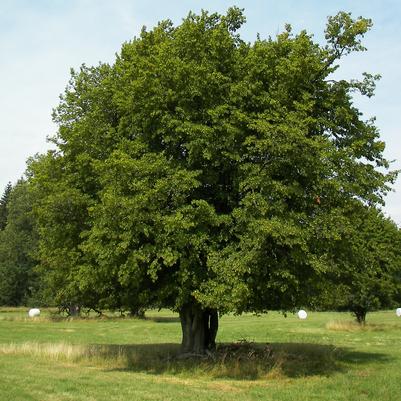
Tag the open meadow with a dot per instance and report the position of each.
(270, 357)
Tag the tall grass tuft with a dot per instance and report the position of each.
(351, 326)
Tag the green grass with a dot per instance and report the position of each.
(269, 357)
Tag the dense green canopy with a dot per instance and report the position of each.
(203, 173)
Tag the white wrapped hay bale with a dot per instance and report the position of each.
(34, 312)
(398, 312)
(302, 314)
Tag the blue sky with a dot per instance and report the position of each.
(41, 39)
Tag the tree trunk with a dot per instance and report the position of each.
(360, 315)
(199, 329)
(137, 312)
(74, 310)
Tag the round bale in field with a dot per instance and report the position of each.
(34, 312)
(302, 314)
(398, 312)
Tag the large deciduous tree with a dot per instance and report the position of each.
(203, 173)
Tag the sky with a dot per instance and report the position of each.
(40, 40)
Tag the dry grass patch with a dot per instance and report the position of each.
(58, 351)
(240, 361)
(351, 326)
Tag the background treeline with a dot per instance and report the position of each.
(18, 246)
(366, 277)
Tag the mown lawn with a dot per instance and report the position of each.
(259, 358)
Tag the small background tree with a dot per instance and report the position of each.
(3, 205)
(18, 242)
(366, 265)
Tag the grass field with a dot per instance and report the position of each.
(270, 357)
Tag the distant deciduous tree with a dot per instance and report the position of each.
(365, 264)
